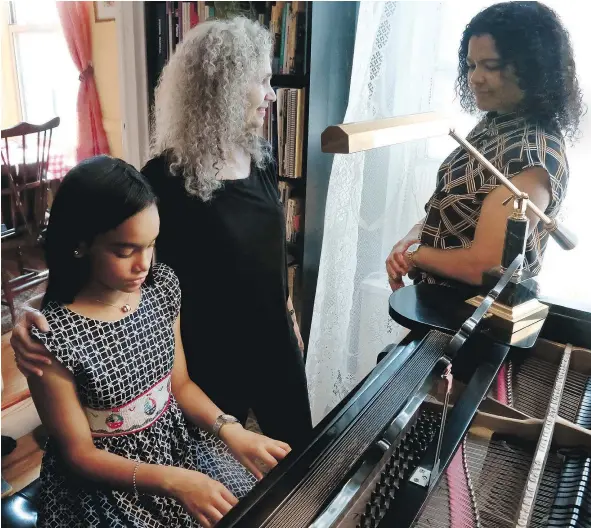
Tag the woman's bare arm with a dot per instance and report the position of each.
(468, 265)
(396, 263)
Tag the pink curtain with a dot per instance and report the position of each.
(75, 21)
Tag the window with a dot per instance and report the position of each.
(46, 78)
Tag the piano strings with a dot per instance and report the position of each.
(532, 383)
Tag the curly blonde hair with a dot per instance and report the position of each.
(201, 107)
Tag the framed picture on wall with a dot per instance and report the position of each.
(104, 11)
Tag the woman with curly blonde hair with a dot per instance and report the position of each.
(223, 226)
(210, 102)
(223, 229)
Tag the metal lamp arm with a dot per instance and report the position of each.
(564, 238)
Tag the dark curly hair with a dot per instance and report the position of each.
(530, 37)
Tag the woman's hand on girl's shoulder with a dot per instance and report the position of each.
(298, 334)
(207, 500)
(29, 354)
(258, 453)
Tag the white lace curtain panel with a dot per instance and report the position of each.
(404, 62)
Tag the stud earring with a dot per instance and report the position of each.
(76, 253)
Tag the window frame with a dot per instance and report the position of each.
(15, 29)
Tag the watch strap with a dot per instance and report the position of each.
(410, 255)
(222, 420)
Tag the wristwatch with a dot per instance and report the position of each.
(222, 420)
(410, 253)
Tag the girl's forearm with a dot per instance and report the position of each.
(117, 472)
(196, 405)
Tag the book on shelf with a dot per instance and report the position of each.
(292, 208)
(284, 129)
(288, 23)
(292, 275)
(284, 191)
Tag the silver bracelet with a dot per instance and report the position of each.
(137, 466)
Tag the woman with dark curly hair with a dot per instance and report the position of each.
(516, 64)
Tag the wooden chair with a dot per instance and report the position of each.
(25, 161)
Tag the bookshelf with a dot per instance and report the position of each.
(311, 75)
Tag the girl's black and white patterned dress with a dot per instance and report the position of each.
(122, 371)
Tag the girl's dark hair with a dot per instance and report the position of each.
(530, 37)
(96, 196)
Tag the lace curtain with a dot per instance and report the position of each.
(405, 62)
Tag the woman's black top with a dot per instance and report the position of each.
(230, 256)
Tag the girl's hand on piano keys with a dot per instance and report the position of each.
(258, 453)
(207, 500)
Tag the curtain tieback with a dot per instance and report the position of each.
(86, 73)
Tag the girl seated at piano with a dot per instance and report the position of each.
(516, 64)
(133, 441)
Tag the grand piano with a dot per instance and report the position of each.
(480, 417)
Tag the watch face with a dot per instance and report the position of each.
(413, 247)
